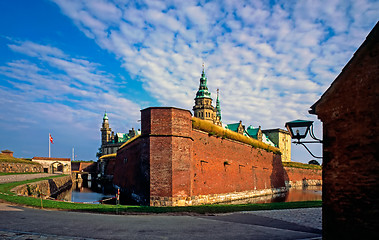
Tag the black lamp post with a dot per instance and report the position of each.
(299, 129)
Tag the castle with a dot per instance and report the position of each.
(203, 109)
(110, 141)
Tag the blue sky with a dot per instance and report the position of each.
(63, 63)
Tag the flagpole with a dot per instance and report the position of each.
(49, 144)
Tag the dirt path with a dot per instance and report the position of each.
(22, 177)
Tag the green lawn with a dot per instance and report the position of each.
(7, 195)
(3, 174)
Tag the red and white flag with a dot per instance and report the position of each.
(51, 138)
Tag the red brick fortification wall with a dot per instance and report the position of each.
(170, 146)
(171, 164)
(131, 171)
(191, 167)
(297, 177)
(225, 170)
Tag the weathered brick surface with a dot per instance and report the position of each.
(170, 151)
(302, 177)
(165, 121)
(173, 165)
(349, 112)
(131, 171)
(222, 166)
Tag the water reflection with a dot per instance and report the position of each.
(88, 192)
(294, 194)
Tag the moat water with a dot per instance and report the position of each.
(96, 193)
(88, 191)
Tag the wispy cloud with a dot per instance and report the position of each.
(56, 89)
(265, 58)
(271, 60)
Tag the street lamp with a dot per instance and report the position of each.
(299, 129)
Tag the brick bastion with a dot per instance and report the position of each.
(179, 160)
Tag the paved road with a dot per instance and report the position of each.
(22, 177)
(27, 223)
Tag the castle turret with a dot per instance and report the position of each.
(203, 102)
(217, 119)
(105, 130)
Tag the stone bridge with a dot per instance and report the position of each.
(54, 165)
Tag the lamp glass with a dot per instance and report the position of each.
(300, 132)
(299, 128)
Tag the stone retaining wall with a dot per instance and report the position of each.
(44, 188)
(304, 183)
(7, 167)
(212, 198)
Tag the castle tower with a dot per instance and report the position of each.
(217, 119)
(105, 130)
(203, 108)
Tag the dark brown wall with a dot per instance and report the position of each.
(131, 171)
(349, 112)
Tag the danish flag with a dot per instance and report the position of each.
(51, 138)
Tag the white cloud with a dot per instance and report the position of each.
(61, 92)
(259, 55)
(36, 50)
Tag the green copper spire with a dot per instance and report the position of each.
(203, 89)
(218, 108)
(105, 116)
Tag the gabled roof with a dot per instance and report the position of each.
(122, 137)
(232, 126)
(267, 140)
(253, 132)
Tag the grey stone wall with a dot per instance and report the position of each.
(7, 167)
(44, 188)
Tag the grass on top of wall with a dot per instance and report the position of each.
(7, 195)
(301, 165)
(218, 131)
(7, 158)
